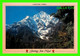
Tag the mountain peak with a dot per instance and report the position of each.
(42, 12)
(40, 23)
(26, 17)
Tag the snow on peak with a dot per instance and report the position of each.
(43, 20)
(39, 23)
(42, 12)
(27, 17)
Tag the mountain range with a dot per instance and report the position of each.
(39, 25)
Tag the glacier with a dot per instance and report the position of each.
(40, 24)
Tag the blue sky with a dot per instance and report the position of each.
(17, 13)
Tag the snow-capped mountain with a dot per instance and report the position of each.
(43, 21)
(40, 24)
